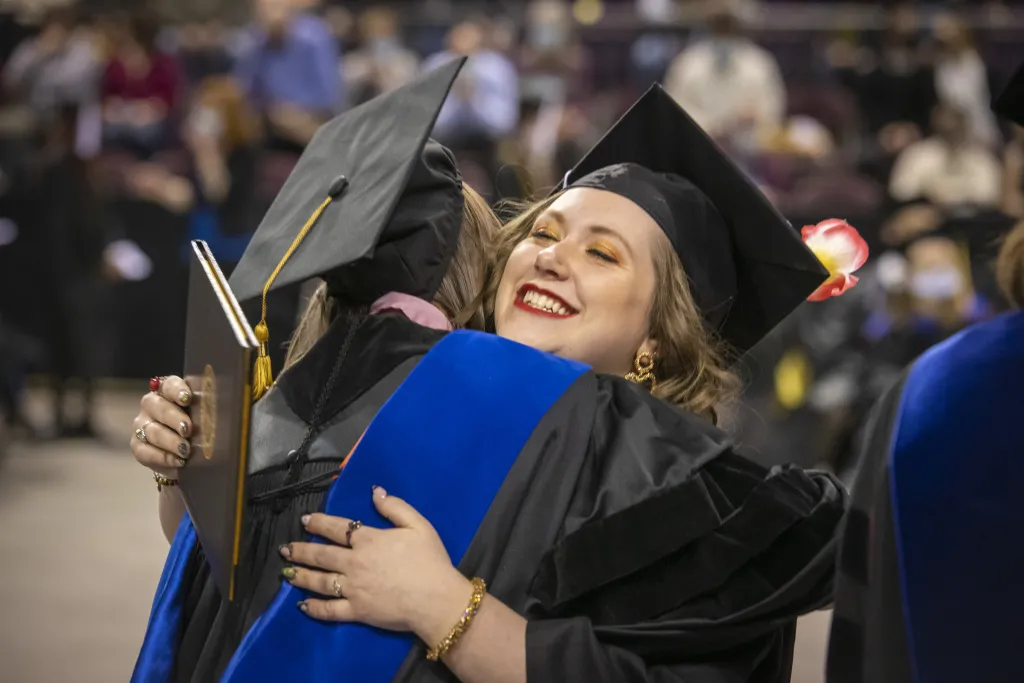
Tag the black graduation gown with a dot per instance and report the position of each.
(636, 543)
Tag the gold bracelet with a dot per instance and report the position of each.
(479, 588)
(162, 481)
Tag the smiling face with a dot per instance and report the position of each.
(581, 284)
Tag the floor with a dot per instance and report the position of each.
(82, 552)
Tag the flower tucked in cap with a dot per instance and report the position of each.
(841, 249)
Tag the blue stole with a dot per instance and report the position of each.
(957, 463)
(444, 442)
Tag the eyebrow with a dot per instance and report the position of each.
(559, 218)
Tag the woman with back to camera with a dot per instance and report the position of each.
(613, 535)
(927, 586)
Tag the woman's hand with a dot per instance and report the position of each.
(397, 579)
(166, 427)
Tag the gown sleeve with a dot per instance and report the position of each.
(680, 559)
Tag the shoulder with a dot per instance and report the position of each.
(963, 398)
(990, 354)
(622, 399)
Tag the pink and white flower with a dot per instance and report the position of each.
(841, 249)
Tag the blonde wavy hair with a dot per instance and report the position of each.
(691, 367)
(460, 295)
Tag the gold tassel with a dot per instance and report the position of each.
(262, 373)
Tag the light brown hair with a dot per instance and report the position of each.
(225, 96)
(460, 295)
(1010, 267)
(691, 368)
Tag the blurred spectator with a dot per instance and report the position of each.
(290, 71)
(551, 56)
(927, 295)
(894, 83)
(80, 271)
(220, 134)
(1013, 175)
(57, 67)
(141, 89)
(483, 107)
(202, 51)
(732, 87)
(961, 79)
(949, 168)
(381, 63)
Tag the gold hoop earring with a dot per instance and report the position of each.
(644, 370)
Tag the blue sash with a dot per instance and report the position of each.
(444, 442)
(956, 466)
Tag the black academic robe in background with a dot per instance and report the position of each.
(928, 586)
(639, 546)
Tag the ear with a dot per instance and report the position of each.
(649, 346)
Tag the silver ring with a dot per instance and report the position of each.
(352, 526)
(140, 433)
(337, 588)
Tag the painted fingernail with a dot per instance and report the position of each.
(303, 606)
(183, 449)
(183, 428)
(185, 397)
(305, 519)
(285, 550)
(288, 573)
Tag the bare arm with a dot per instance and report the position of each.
(172, 509)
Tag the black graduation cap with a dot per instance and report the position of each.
(372, 206)
(748, 267)
(1010, 103)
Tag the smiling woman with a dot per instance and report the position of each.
(620, 291)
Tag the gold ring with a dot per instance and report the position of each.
(140, 433)
(337, 588)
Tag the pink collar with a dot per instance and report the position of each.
(415, 309)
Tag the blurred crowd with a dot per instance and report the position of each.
(125, 133)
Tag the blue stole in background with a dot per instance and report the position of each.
(444, 442)
(957, 466)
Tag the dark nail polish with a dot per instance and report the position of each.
(183, 449)
(285, 550)
(288, 573)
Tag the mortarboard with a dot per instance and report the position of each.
(1010, 103)
(372, 206)
(748, 267)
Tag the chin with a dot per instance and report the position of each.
(523, 334)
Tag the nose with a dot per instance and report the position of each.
(551, 264)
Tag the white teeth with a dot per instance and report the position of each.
(541, 302)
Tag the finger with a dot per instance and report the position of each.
(174, 388)
(328, 610)
(156, 407)
(396, 510)
(332, 528)
(333, 558)
(328, 584)
(163, 438)
(155, 459)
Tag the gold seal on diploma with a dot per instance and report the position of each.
(208, 412)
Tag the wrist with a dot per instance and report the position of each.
(443, 610)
